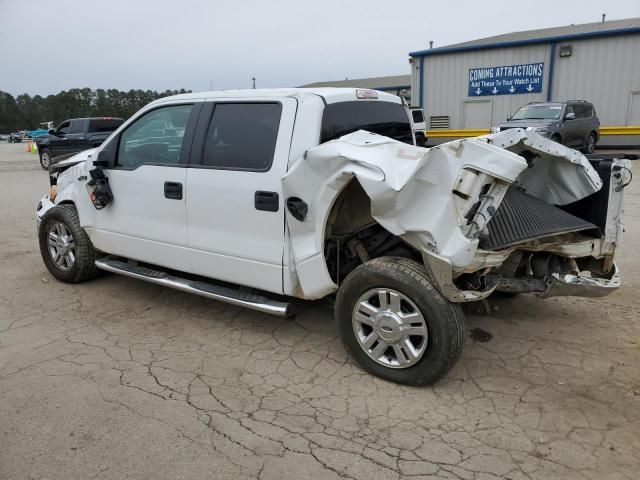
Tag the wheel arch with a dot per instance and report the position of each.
(350, 219)
(557, 135)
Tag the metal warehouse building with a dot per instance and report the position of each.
(468, 87)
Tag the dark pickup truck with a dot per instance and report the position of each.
(75, 135)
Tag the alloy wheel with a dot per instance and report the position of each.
(62, 248)
(390, 328)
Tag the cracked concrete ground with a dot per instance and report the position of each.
(120, 379)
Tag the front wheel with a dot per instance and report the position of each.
(396, 325)
(45, 158)
(65, 247)
(590, 144)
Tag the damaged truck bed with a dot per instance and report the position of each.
(510, 212)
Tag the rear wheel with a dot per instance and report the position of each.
(590, 144)
(65, 247)
(45, 158)
(396, 325)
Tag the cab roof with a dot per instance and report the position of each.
(328, 94)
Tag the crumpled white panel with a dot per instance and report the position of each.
(559, 175)
(410, 190)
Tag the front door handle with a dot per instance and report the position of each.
(173, 190)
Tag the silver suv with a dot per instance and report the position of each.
(573, 123)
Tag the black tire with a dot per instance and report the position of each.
(590, 144)
(45, 158)
(83, 267)
(445, 321)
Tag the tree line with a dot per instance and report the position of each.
(25, 112)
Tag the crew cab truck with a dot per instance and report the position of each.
(262, 198)
(75, 135)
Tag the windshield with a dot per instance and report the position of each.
(538, 112)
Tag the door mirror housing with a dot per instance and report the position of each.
(52, 131)
(106, 159)
(570, 116)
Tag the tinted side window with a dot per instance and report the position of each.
(582, 111)
(242, 136)
(569, 110)
(154, 138)
(77, 126)
(104, 124)
(64, 127)
(417, 115)
(384, 118)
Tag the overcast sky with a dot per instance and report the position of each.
(51, 45)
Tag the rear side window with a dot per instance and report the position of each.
(242, 136)
(104, 124)
(384, 118)
(417, 115)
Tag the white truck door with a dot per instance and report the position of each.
(235, 206)
(147, 219)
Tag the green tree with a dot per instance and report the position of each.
(26, 113)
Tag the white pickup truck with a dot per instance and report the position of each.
(262, 197)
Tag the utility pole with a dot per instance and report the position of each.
(254, 82)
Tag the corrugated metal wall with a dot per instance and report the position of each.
(604, 71)
(446, 81)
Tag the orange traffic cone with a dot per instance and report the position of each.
(29, 146)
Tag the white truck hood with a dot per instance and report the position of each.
(425, 195)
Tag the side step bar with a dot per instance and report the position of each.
(204, 289)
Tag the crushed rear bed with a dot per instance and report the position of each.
(522, 217)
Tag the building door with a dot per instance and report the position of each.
(476, 114)
(634, 109)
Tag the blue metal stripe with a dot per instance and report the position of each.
(531, 41)
(420, 104)
(552, 61)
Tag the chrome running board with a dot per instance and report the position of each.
(204, 289)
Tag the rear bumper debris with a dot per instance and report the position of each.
(560, 285)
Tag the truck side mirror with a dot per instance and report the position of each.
(106, 159)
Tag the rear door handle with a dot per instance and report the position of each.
(173, 190)
(267, 201)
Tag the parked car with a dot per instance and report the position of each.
(573, 123)
(14, 138)
(419, 125)
(75, 135)
(264, 198)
